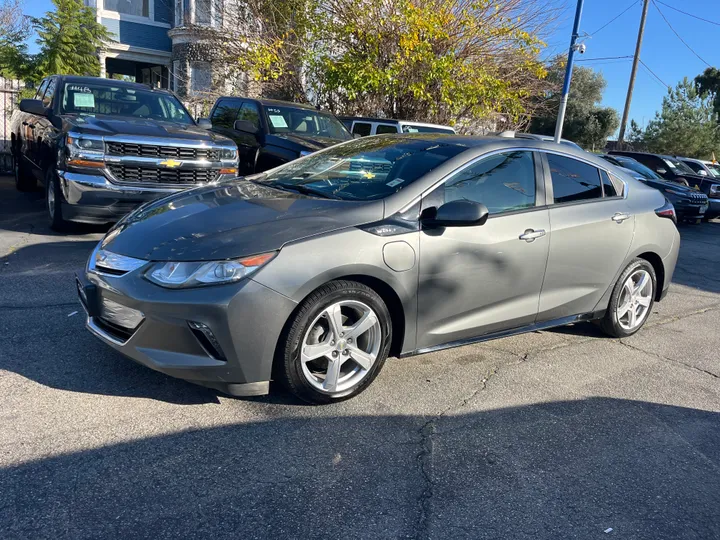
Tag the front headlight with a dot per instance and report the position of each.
(177, 275)
(715, 190)
(228, 153)
(85, 150)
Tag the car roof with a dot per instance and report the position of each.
(394, 121)
(276, 102)
(89, 80)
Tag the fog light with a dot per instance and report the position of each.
(207, 339)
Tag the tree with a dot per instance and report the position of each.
(13, 29)
(708, 84)
(69, 40)
(686, 125)
(586, 122)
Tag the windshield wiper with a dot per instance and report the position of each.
(305, 190)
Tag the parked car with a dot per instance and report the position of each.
(101, 147)
(702, 167)
(364, 126)
(690, 204)
(536, 137)
(269, 133)
(672, 169)
(312, 275)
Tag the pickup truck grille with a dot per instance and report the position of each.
(151, 150)
(163, 176)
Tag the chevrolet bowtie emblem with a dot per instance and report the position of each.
(171, 163)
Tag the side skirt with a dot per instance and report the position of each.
(510, 332)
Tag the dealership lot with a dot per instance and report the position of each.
(563, 433)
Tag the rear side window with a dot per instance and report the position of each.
(609, 189)
(225, 113)
(502, 182)
(361, 128)
(385, 128)
(573, 180)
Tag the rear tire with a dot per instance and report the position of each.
(632, 300)
(335, 343)
(53, 202)
(24, 180)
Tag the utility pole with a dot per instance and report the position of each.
(568, 72)
(633, 72)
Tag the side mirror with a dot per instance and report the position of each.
(461, 213)
(661, 171)
(245, 126)
(701, 172)
(204, 123)
(34, 106)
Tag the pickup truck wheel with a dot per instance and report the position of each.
(53, 200)
(24, 181)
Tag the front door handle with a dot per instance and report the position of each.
(530, 235)
(619, 217)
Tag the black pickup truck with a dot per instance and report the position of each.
(101, 147)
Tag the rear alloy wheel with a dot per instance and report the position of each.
(336, 344)
(24, 181)
(53, 201)
(631, 301)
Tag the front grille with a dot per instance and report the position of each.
(163, 176)
(156, 151)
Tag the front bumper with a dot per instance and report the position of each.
(92, 198)
(713, 208)
(245, 318)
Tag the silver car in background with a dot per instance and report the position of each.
(313, 273)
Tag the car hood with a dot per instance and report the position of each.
(297, 142)
(675, 186)
(230, 220)
(109, 126)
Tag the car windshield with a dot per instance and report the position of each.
(409, 128)
(677, 166)
(364, 169)
(300, 121)
(631, 164)
(118, 100)
(714, 169)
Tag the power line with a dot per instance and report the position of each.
(688, 14)
(653, 73)
(678, 36)
(604, 58)
(615, 18)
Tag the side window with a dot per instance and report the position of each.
(361, 128)
(502, 182)
(225, 113)
(251, 113)
(697, 168)
(49, 93)
(573, 180)
(620, 185)
(609, 189)
(41, 89)
(385, 128)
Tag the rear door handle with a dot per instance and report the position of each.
(619, 217)
(530, 235)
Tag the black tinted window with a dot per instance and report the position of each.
(225, 113)
(385, 128)
(503, 182)
(608, 187)
(251, 113)
(573, 180)
(362, 128)
(41, 90)
(49, 93)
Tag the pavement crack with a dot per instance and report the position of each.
(38, 306)
(670, 360)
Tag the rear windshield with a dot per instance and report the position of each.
(299, 121)
(409, 128)
(364, 169)
(116, 100)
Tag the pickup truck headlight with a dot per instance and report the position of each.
(228, 153)
(177, 275)
(84, 150)
(715, 190)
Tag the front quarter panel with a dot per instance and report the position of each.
(302, 267)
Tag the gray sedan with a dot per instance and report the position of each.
(313, 273)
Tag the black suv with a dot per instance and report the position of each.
(672, 169)
(269, 133)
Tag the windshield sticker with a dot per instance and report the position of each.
(272, 110)
(83, 89)
(393, 183)
(278, 121)
(84, 100)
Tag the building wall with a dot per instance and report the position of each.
(138, 34)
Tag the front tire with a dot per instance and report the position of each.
(335, 344)
(631, 301)
(53, 202)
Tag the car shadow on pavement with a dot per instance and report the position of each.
(568, 469)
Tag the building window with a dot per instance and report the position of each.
(139, 8)
(203, 12)
(200, 77)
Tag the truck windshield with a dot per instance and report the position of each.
(300, 121)
(116, 100)
(365, 169)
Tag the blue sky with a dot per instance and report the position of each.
(662, 51)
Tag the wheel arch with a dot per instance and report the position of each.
(656, 262)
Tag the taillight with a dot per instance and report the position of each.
(667, 210)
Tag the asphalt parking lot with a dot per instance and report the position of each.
(557, 434)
